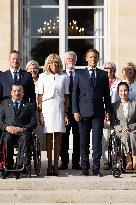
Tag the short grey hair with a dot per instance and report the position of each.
(71, 53)
(112, 64)
(32, 62)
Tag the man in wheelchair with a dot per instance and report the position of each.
(17, 121)
(123, 121)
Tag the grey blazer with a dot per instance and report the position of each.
(118, 120)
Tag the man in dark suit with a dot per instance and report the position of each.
(70, 61)
(15, 75)
(17, 121)
(91, 104)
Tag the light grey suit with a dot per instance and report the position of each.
(118, 122)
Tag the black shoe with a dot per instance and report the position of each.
(76, 166)
(49, 172)
(17, 175)
(63, 166)
(97, 174)
(85, 172)
(5, 175)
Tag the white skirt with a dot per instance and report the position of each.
(53, 113)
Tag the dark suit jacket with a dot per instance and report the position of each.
(25, 79)
(89, 100)
(25, 116)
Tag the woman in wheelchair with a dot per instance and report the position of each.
(123, 121)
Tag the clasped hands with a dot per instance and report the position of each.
(14, 130)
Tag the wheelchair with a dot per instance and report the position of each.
(116, 157)
(34, 154)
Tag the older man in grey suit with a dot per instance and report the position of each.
(17, 120)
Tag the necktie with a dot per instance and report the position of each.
(93, 76)
(70, 82)
(15, 106)
(15, 77)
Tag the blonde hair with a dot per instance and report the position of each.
(32, 62)
(129, 64)
(50, 58)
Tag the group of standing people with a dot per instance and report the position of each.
(72, 99)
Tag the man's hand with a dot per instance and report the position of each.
(107, 117)
(77, 117)
(18, 130)
(10, 129)
(14, 130)
(66, 120)
(125, 129)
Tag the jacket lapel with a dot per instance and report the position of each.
(87, 75)
(21, 76)
(9, 77)
(22, 106)
(97, 77)
(11, 106)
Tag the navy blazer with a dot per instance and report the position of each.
(25, 117)
(88, 99)
(25, 79)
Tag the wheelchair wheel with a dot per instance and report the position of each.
(37, 155)
(116, 173)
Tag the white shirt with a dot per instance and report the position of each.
(125, 109)
(90, 71)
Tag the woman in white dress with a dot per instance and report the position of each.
(129, 76)
(33, 67)
(53, 90)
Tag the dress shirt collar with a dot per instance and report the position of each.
(19, 101)
(12, 70)
(90, 69)
(68, 71)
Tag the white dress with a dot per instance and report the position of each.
(53, 88)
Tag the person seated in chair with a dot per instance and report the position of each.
(123, 120)
(17, 119)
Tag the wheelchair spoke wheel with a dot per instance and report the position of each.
(116, 173)
(37, 156)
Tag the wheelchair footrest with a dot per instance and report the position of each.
(15, 170)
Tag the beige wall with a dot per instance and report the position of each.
(121, 41)
(122, 31)
(8, 30)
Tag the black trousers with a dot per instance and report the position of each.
(23, 142)
(65, 143)
(85, 126)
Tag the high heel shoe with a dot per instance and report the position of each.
(49, 172)
(55, 172)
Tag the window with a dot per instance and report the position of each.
(84, 21)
